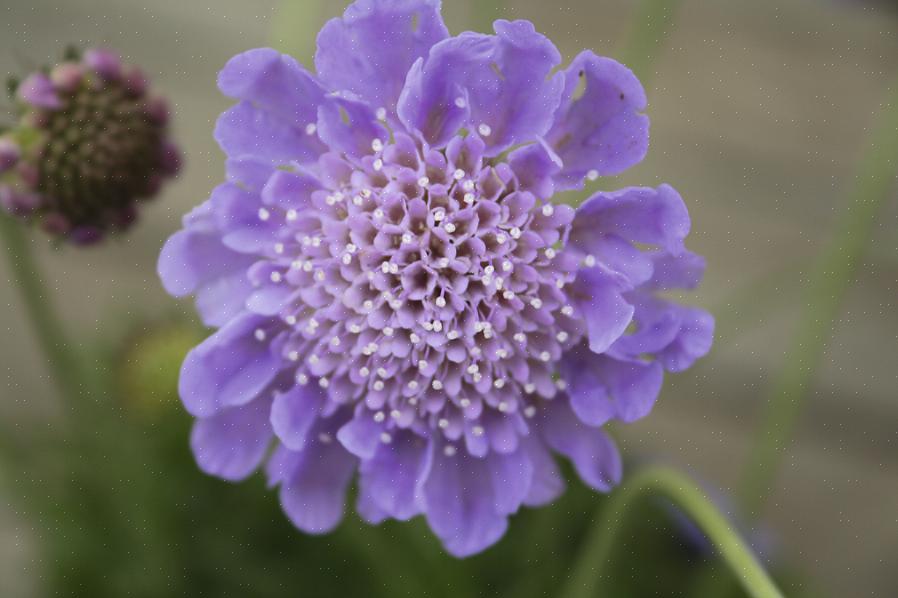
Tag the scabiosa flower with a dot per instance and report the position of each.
(397, 295)
(90, 144)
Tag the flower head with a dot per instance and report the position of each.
(396, 293)
(89, 145)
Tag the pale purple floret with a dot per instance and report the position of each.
(396, 295)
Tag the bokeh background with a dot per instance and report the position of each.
(760, 115)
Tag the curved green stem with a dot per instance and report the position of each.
(651, 26)
(36, 300)
(827, 287)
(594, 564)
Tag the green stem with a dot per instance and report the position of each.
(36, 300)
(651, 26)
(827, 287)
(595, 563)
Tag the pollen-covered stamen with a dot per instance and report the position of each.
(420, 284)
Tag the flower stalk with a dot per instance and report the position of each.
(828, 285)
(595, 563)
(37, 303)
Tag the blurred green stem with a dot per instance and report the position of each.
(36, 300)
(595, 561)
(651, 26)
(827, 286)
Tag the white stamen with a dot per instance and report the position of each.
(465, 403)
(313, 359)
(366, 193)
(302, 379)
(502, 354)
(323, 382)
(550, 253)
(536, 303)
(450, 228)
(381, 114)
(414, 338)
(459, 174)
(311, 128)
(477, 430)
(378, 213)
(560, 384)
(439, 214)
(395, 414)
(279, 248)
(379, 416)
(368, 304)
(503, 406)
(437, 385)
(469, 198)
(500, 239)
(335, 341)
(325, 438)
(378, 164)
(437, 325)
(386, 438)
(260, 334)
(364, 372)
(592, 175)
(276, 277)
(485, 130)
(423, 181)
(589, 261)
(377, 145)
(530, 388)
(290, 320)
(545, 356)
(388, 331)
(264, 214)
(453, 334)
(292, 215)
(567, 310)
(407, 238)
(422, 365)
(382, 372)
(468, 185)
(460, 102)
(515, 233)
(293, 355)
(319, 275)
(346, 259)
(520, 337)
(562, 336)
(500, 383)
(443, 262)
(307, 267)
(441, 301)
(443, 423)
(378, 385)
(529, 411)
(548, 209)
(449, 450)
(357, 200)
(507, 266)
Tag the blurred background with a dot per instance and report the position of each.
(760, 115)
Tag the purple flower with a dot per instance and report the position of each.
(397, 296)
(89, 145)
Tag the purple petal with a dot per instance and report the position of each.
(639, 214)
(593, 453)
(681, 271)
(294, 412)
(547, 484)
(692, 342)
(597, 293)
(195, 256)
(38, 91)
(467, 500)
(246, 130)
(586, 389)
(231, 367)
(602, 131)
(349, 126)
(371, 48)
(391, 477)
(248, 172)
(276, 84)
(232, 443)
(245, 225)
(499, 85)
(535, 166)
(313, 483)
(361, 435)
(220, 300)
(288, 190)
